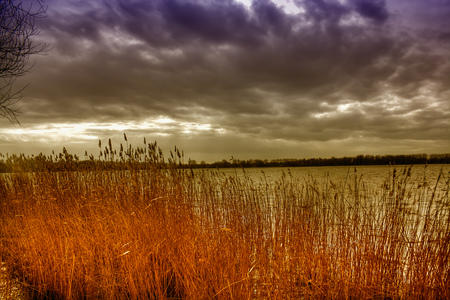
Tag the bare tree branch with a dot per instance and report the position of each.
(17, 29)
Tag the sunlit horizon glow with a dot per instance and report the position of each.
(250, 79)
(161, 125)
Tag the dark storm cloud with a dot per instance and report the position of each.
(372, 9)
(257, 70)
(214, 23)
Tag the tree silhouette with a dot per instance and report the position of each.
(17, 28)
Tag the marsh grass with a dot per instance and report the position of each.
(160, 232)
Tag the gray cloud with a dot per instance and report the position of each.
(336, 70)
(372, 9)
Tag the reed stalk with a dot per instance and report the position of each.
(162, 232)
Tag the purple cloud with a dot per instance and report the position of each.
(372, 9)
(254, 70)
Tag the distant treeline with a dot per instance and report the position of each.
(141, 160)
(411, 159)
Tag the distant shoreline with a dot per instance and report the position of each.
(21, 163)
(360, 160)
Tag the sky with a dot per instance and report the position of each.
(255, 79)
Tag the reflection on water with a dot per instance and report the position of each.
(369, 179)
(374, 176)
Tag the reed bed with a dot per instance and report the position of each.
(161, 232)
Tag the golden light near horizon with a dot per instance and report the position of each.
(157, 126)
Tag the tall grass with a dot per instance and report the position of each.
(160, 232)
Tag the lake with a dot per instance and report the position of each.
(372, 176)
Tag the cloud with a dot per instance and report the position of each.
(372, 9)
(257, 71)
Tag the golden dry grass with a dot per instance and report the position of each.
(161, 232)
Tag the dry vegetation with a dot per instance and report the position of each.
(160, 232)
